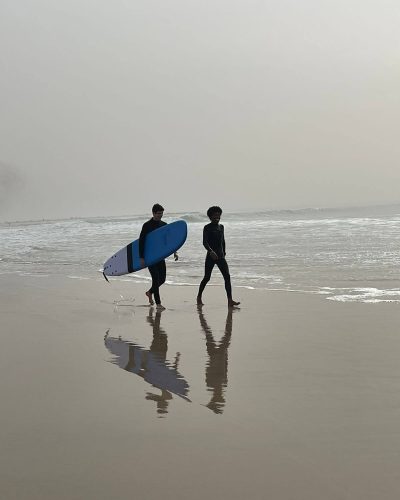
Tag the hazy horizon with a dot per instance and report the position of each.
(372, 210)
(108, 108)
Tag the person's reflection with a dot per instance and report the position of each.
(152, 365)
(217, 366)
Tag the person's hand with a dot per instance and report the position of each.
(176, 257)
(213, 255)
(142, 263)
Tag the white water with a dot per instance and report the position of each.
(338, 253)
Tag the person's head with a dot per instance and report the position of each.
(214, 213)
(158, 211)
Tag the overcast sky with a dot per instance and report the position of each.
(108, 107)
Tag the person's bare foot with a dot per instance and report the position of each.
(199, 301)
(160, 307)
(232, 303)
(150, 297)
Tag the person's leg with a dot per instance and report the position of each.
(224, 268)
(154, 271)
(208, 267)
(149, 295)
(162, 273)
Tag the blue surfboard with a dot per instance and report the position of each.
(159, 245)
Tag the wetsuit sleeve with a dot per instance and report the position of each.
(223, 240)
(142, 239)
(206, 241)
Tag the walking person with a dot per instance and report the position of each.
(214, 243)
(158, 271)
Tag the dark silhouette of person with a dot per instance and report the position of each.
(157, 271)
(217, 366)
(214, 243)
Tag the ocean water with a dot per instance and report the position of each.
(344, 254)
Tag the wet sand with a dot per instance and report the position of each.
(290, 397)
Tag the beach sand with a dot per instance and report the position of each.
(291, 397)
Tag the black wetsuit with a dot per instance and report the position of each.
(158, 271)
(214, 240)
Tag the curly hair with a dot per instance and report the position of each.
(214, 210)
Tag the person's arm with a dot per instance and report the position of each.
(142, 241)
(223, 240)
(206, 243)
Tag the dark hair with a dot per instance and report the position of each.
(157, 208)
(214, 210)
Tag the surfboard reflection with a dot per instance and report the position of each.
(151, 364)
(217, 365)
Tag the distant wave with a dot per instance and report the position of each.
(371, 210)
(114, 219)
(390, 209)
(190, 216)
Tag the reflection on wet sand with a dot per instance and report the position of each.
(217, 366)
(151, 364)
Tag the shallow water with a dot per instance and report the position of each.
(330, 252)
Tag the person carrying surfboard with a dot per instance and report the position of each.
(214, 243)
(158, 271)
